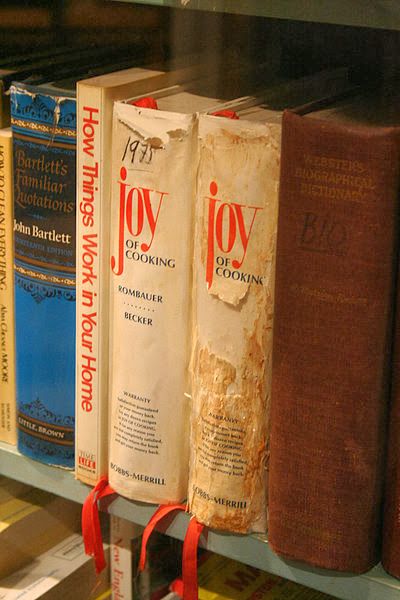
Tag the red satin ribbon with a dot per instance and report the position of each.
(147, 102)
(189, 560)
(229, 114)
(91, 531)
(161, 512)
(177, 587)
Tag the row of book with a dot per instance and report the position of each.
(225, 335)
(218, 577)
(51, 563)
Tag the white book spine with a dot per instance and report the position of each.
(92, 298)
(153, 181)
(235, 231)
(122, 534)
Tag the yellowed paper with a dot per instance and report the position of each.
(236, 215)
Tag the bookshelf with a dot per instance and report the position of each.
(252, 550)
(384, 14)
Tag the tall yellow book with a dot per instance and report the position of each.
(8, 430)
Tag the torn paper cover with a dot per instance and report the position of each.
(235, 233)
(153, 182)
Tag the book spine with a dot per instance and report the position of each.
(391, 513)
(235, 232)
(8, 427)
(44, 132)
(336, 251)
(153, 179)
(122, 534)
(92, 292)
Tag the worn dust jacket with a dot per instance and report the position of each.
(153, 182)
(235, 231)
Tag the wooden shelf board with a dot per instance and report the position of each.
(378, 14)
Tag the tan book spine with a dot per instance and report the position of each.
(91, 305)
(8, 429)
(235, 229)
(153, 184)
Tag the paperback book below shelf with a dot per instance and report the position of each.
(249, 549)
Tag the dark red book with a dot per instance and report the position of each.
(335, 275)
(391, 521)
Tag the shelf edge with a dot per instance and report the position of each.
(252, 550)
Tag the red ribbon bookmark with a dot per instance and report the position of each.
(161, 512)
(229, 114)
(177, 587)
(189, 560)
(91, 531)
(148, 102)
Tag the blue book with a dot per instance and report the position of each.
(44, 149)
